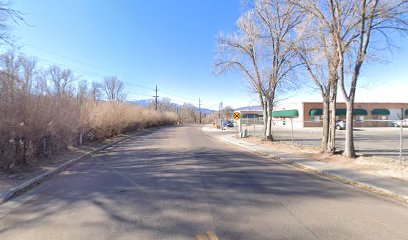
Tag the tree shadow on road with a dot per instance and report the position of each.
(146, 191)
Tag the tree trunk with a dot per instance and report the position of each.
(331, 146)
(80, 138)
(265, 118)
(25, 150)
(325, 135)
(349, 150)
(265, 121)
(269, 106)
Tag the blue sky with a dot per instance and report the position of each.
(168, 43)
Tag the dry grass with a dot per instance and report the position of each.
(106, 119)
(44, 111)
(45, 125)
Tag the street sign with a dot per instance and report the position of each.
(237, 115)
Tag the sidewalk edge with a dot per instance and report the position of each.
(368, 187)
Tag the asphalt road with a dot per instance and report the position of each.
(177, 182)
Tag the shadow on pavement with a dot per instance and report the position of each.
(174, 192)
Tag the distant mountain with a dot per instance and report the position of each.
(249, 108)
(146, 102)
(207, 111)
(143, 102)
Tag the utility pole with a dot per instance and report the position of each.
(219, 114)
(199, 107)
(219, 110)
(156, 98)
(178, 117)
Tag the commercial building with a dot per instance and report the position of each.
(309, 114)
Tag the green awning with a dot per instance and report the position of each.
(316, 112)
(251, 115)
(380, 111)
(341, 112)
(406, 112)
(286, 113)
(357, 111)
(360, 112)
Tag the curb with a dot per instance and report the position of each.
(367, 187)
(49, 174)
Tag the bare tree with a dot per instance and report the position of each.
(227, 112)
(356, 23)
(114, 89)
(242, 51)
(28, 66)
(95, 91)
(188, 113)
(163, 105)
(8, 15)
(317, 51)
(345, 29)
(82, 90)
(40, 119)
(57, 81)
(278, 20)
(263, 49)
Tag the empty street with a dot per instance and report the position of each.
(178, 183)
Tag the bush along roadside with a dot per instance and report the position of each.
(46, 134)
(43, 111)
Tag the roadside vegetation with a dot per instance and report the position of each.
(43, 111)
(279, 42)
(46, 109)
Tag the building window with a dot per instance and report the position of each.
(315, 118)
(360, 118)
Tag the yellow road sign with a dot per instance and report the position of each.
(237, 115)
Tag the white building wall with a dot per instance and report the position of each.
(286, 123)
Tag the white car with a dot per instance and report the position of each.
(340, 125)
(398, 123)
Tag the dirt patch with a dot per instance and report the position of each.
(378, 166)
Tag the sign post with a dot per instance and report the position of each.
(237, 116)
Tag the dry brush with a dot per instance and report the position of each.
(44, 111)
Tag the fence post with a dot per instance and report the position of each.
(401, 134)
(253, 122)
(291, 123)
(240, 128)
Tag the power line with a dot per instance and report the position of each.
(99, 75)
(69, 58)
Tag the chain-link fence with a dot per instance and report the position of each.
(383, 138)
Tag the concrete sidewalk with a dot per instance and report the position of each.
(388, 187)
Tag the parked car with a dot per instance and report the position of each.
(399, 122)
(340, 124)
(228, 124)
